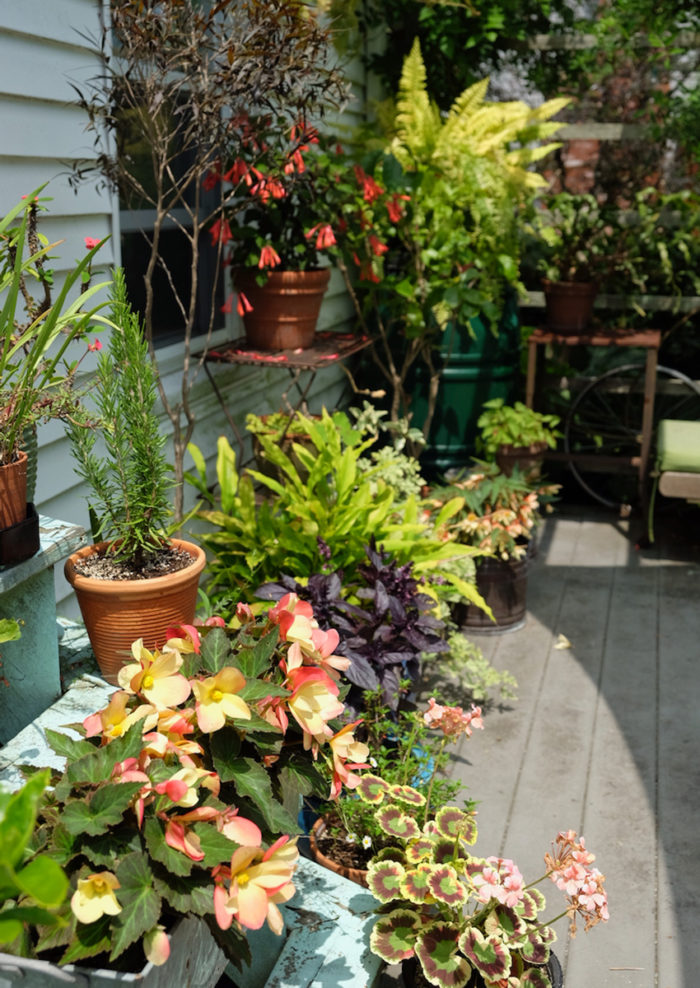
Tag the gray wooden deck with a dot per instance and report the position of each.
(603, 739)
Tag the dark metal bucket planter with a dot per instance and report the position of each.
(569, 304)
(503, 585)
(21, 540)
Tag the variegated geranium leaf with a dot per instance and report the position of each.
(455, 823)
(420, 849)
(444, 850)
(506, 923)
(407, 794)
(442, 964)
(534, 948)
(531, 904)
(390, 854)
(384, 879)
(396, 823)
(489, 955)
(414, 885)
(536, 977)
(394, 936)
(372, 789)
(445, 885)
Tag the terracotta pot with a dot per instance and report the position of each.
(357, 875)
(13, 491)
(528, 459)
(569, 304)
(117, 612)
(285, 309)
(503, 585)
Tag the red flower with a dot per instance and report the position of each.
(243, 305)
(228, 304)
(220, 232)
(376, 246)
(237, 171)
(269, 257)
(367, 273)
(90, 242)
(211, 179)
(95, 346)
(325, 236)
(394, 207)
(370, 189)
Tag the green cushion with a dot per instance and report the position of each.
(678, 446)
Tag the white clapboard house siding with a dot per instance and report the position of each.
(42, 51)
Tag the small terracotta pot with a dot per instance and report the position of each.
(117, 612)
(285, 309)
(357, 875)
(528, 459)
(569, 304)
(13, 491)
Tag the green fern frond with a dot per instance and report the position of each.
(418, 121)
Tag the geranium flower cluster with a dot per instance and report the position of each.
(458, 913)
(452, 721)
(172, 801)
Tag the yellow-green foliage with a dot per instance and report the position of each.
(476, 135)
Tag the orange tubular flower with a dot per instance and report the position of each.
(155, 676)
(216, 699)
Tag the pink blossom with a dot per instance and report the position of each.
(452, 721)
(91, 242)
(95, 346)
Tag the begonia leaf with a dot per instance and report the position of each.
(88, 940)
(253, 662)
(252, 781)
(437, 951)
(174, 861)
(69, 748)
(225, 746)
(384, 880)
(216, 848)
(216, 651)
(141, 904)
(393, 937)
(185, 894)
(104, 810)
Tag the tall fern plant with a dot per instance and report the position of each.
(129, 481)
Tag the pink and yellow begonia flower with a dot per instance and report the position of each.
(181, 788)
(314, 701)
(156, 946)
(238, 828)
(114, 720)
(155, 676)
(94, 897)
(348, 756)
(258, 881)
(216, 699)
(183, 638)
(178, 834)
(170, 734)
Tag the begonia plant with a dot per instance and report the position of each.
(181, 795)
(457, 913)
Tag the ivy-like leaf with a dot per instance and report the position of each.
(104, 810)
(216, 651)
(256, 660)
(141, 904)
(436, 949)
(394, 936)
(174, 861)
(185, 894)
(67, 747)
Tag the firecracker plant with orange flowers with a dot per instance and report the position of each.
(457, 913)
(181, 796)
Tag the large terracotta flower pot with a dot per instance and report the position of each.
(13, 491)
(285, 309)
(357, 875)
(117, 612)
(569, 304)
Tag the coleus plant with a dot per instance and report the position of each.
(176, 799)
(384, 634)
(457, 913)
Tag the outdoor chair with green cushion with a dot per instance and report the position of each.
(677, 462)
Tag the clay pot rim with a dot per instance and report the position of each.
(347, 872)
(291, 274)
(132, 587)
(20, 455)
(508, 449)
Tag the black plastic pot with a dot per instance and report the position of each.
(503, 585)
(20, 541)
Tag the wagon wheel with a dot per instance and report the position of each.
(605, 420)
